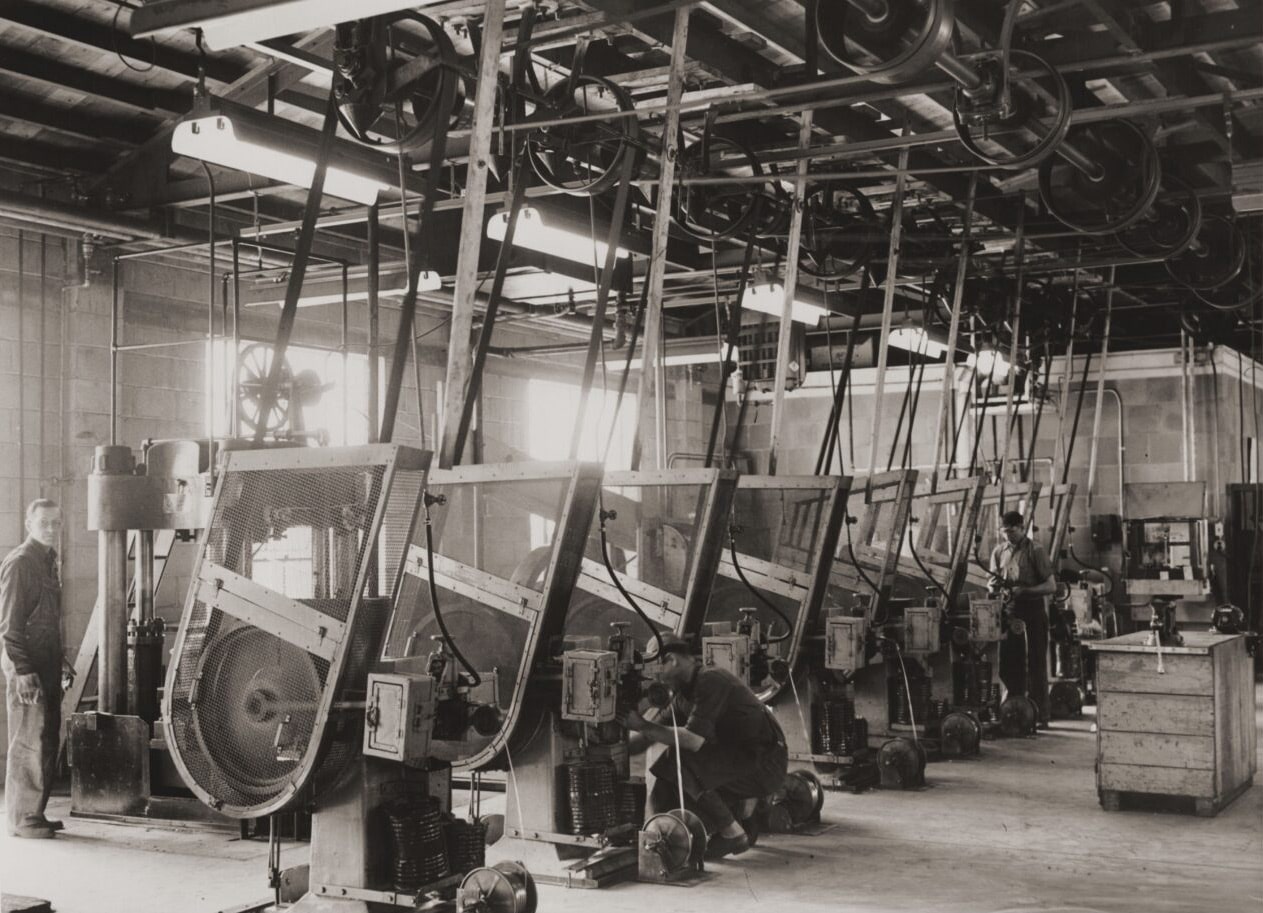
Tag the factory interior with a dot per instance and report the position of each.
(500, 456)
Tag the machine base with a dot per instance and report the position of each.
(602, 868)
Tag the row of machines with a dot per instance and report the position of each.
(359, 628)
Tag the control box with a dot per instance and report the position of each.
(984, 619)
(921, 629)
(844, 642)
(728, 651)
(589, 686)
(399, 716)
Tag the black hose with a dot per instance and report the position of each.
(850, 550)
(1109, 578)
(475, 678)
(609, 568)
(1078, 410)
(789, 627)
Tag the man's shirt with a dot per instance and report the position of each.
(30, 611)
(725, 712)
(1025, 564)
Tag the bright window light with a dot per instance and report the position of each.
(769, 298)
(533, 232)
(990, 363)
(429, 281)
(915, 339)
(216, 140)
(551, 407)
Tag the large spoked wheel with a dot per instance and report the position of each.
(1170, 226)
(1113, 200)
(1032, 99)
(392, 94)
(253, 368)
(891, 47)
(1213, 260)
(584, 159)
(713, 212)
(841, 232)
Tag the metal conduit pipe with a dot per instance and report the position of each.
(23, 208)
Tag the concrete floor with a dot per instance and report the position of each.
(1018, 830)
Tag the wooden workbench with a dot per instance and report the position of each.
(1185, 731)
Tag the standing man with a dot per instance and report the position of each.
(731, 747)
(31, 659)
(1022, 567)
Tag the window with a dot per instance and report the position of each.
(335, 402)
(551, 407)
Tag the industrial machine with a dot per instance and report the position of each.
(766, 606)
(1084, 615)
(274, 699)
(647, 568)
(139, 510)
(1168, 543)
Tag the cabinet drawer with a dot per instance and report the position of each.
(1185, 674)
(1167, 781)
(1153, 749)
(1174, 714)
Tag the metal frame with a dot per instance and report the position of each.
(887, 490)
(391, 457)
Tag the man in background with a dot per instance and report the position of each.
(1021, 566)
(31, 660)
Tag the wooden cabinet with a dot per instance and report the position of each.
(1182, 727)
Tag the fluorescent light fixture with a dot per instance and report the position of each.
(533, 231)
(915, 339)
(218, 139)
(429, 281)
(683, 352)
(769, 298)
(989, 363)
(227, 25)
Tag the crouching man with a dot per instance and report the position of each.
(731, 748)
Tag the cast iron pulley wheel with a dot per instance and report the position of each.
(1035, 103)
(506, 887)
(678, 837)
(804, 795)
(841, 232)
(394, 88)
(257, 695)
(253, 367)
(1205, 326)
(715, 211)
(897, 44)
(1169, 227)
(1128, 183)
(1213, 260)
(584, 159)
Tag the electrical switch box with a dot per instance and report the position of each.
(728, 651)
(399, 716)
(589, 686)
(921, 629)
(984, 619)
(844, 642)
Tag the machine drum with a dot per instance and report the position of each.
(1065, 699)
(506, 887)
(960, 734)
(901, 763)
(677, 838)
(804, 796)
(1018, 716)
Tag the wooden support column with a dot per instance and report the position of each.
(459, 348)
(791, 287)
(888, 305)
(1100, 386)
(1019, 254)
(945, 425)
(651, 403)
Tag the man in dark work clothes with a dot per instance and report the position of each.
(31, 659)
(731, 748)
(1022, 567)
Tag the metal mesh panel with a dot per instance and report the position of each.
(244, 702)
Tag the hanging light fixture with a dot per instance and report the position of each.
(768, 297)
(915, 339)
(990, 363)
(548, 236)
(241, 138)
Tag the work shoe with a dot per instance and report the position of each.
(718, 847)
(51, 823)
(32, 832)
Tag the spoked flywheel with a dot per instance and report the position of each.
(841, 232)
(585, 158)
(1123, 184)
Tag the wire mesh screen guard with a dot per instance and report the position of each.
(507, 547)
(251, 693)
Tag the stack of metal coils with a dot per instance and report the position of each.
(631, 804)
(593, 799)
(938, 709)
(466, 845)
(900, 712)
(419, 847)
(1069, 661)
(834, 717)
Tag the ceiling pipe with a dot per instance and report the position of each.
(51, 214)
